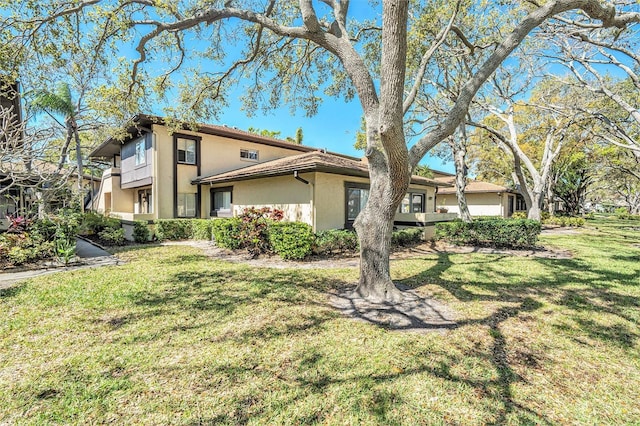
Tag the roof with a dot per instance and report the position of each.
(141, 122)
(473, 187)
(316, 161)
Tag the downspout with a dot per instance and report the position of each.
(435, 199)
(295, 175)
(312, 189)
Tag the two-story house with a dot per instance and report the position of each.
(217, 171)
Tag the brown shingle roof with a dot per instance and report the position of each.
(141, 121)
(316, 161)
(473, 186)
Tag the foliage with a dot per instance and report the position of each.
(111, 236)
(141, 232)
(65, 249)
(564, 221)
(173, 229)
(226, 232)
(17, 249)
(18, 224)
(623, 213)
(201, 229)
(519, 215)
(291, 240)
(335, 241)
(407, 237)
(510, 233)
(92, 223)
(254, 228)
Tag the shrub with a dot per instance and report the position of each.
(112, 236)
(564, 221)
(335, 241)
(519, 215)
(512, 233)
(173, 229)
(44, 229)
(254, 232)
(92, 223)
(141, 231)
(407, 237)
(291, 240)
(17, 249)
(201, 229)
(226, 232)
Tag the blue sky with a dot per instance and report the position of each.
(333, 128)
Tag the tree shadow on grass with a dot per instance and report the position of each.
(575, 285)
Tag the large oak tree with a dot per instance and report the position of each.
(291, 51)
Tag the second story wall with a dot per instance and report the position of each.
(136, 162)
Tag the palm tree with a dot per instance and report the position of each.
(59, 103)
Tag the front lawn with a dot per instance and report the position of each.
(172, 337)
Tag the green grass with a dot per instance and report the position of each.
(172, 337)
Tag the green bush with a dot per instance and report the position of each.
(173, 229)
(226, 232)
(92, 223)
(141, 231)
(111, 236)
(407, 237)
(201, 229)
(519, 215)
(335, 241)
(564, 221)
(623, 213)
(17, 249)
(518, 233)
(291, 240)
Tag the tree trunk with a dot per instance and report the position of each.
(535, 207)
(389, 171)
(459, 149)
(80, 165)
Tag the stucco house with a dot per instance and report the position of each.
(483, 198)
(217, 171)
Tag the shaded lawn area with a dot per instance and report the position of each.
(173, 337)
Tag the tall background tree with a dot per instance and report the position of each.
(296, 53)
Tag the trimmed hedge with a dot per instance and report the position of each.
(141, 232)
(564, 221)
(407, 237)
(335, 241)
(509, 233)
(291, 240)
(226, 231)
(173, 229)
(201, 229)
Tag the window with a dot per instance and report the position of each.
(186, 151)
(249, 154)
(145, 204)
(221, 199)
(521, 205)
(356, 200)
(186, 205)
(140, 153)
(412, 203)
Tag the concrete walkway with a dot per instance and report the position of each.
(90, 256)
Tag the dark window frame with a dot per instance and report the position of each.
(216, 213)
(348, 223)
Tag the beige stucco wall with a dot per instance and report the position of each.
(122, 200)
(483, 204)
(218, 154)
(330, 200)
(285, 193)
